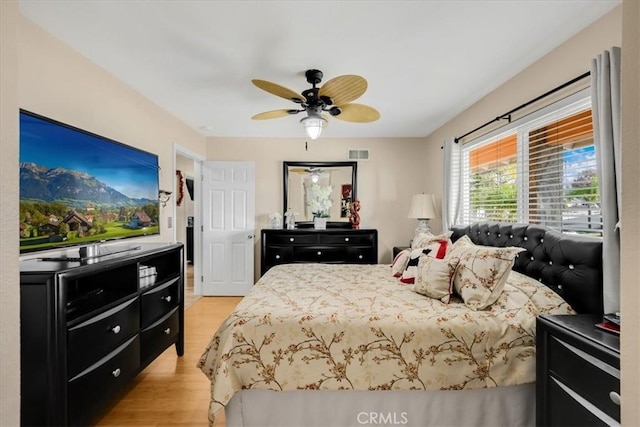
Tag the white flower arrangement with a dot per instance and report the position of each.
(276, 220)
(275, 216)
(320, 200)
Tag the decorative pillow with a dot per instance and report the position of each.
(410, 272)
(422, 240)
(482, 271)
(435, 277)
(399, 263)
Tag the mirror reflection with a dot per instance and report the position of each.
(323, 189)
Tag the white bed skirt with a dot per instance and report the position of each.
(500, 406)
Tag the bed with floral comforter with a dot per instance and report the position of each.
(355, 327)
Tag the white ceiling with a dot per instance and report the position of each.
(425, 61)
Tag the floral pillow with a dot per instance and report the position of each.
(422, 240)
(482, 271)
(435, 277)
(399, 264)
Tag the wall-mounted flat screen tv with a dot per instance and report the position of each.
(78, 188)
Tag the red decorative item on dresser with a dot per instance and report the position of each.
(355, 214)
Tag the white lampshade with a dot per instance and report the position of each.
(313, 126)
(422, 209)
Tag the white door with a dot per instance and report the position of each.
(228, 227)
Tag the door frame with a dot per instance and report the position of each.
(197, 209)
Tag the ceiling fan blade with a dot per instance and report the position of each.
(344, 89)
(274, 114)
(278, 90)
(358, 113)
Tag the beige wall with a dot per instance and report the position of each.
(630, 237)
(9, 292)
(74, 90)
(564, 63)
(386, 182)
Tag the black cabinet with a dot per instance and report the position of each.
(398, 249)
(309, 245)
(577, 372)
(88, 327)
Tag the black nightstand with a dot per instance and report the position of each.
(398, 249)
(577, 372)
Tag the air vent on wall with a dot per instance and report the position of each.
(358, 154)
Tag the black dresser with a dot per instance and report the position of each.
(577, 372)
(342, 246)
(89, 326)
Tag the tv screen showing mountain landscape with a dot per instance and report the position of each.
(78, 188)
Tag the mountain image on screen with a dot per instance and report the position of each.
(75, 189)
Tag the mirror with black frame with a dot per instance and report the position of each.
(324, 189)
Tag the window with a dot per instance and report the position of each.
(540, 170)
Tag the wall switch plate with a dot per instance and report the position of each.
(170, 222)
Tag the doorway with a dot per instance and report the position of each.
(187, 205)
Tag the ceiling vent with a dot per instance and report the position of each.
(358, 154)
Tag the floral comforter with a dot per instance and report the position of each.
(319, 326)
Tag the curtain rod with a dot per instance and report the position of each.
(507, 115)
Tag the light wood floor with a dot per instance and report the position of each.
(171, 391)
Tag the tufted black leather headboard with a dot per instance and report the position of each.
(571, 265)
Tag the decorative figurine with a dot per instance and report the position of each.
(355, 216)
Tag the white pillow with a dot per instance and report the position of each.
(399, 264)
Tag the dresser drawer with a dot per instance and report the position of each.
(346, 239)
(297, 238)
(361, 254)
(588, 376)
(159, 301)
(567, 409)
(320, 254)
(160, 335)
(92, 339)
(91, 389)
(278, 255)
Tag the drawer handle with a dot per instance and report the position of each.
(360, 256)
(319, 253)
(615, 397)
(116, 329)
(116, 373)
(292, 239)
(167, 331)
(346, 239)
(277, 256)
(167, 298)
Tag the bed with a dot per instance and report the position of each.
(318, 345)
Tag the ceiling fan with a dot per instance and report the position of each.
(334, 97)
(314, 172)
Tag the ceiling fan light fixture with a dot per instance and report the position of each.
(313, 126)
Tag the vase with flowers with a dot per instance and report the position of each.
(276, 220)
(320, 204)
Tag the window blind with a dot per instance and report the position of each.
(539, 171)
